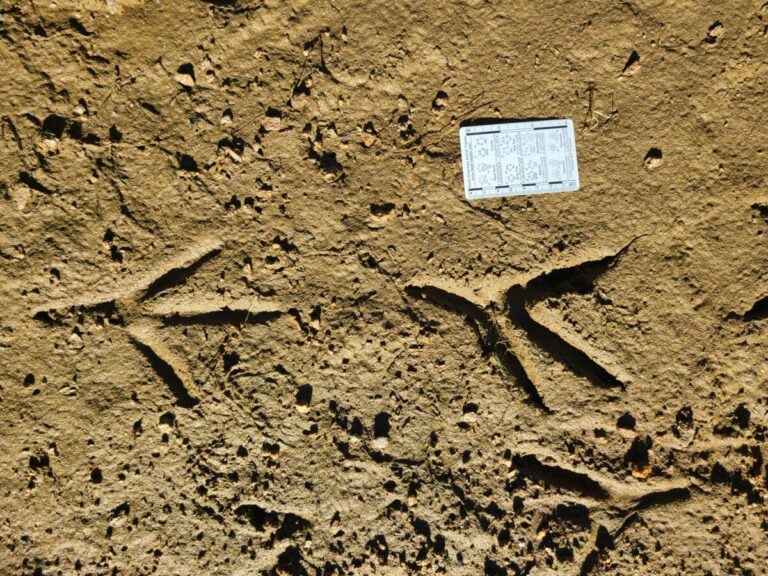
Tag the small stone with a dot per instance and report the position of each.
(185, 80)
(21, 195)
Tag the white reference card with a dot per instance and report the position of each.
(518, 158)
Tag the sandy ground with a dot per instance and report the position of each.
(250, 325)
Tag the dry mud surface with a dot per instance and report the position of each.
(250, 325)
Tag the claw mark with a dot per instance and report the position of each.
(180, 268)
(166, 364)
(215, 312)
(506, 311)
(662, 497)
(143, 321)
(559, 476)
(573, 350)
